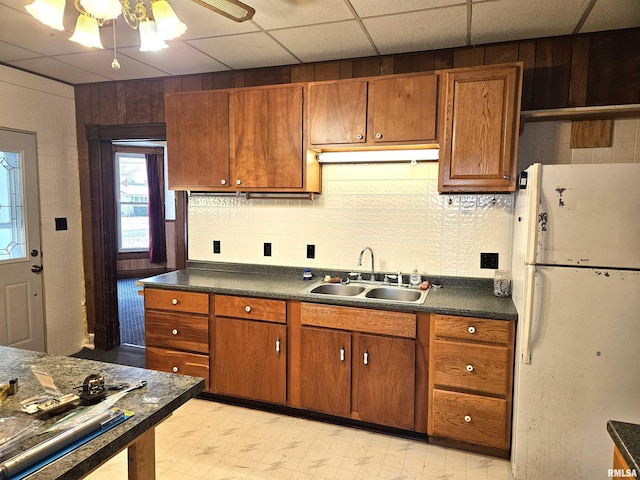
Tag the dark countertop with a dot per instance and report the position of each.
(163, 394)
(471, 297)
(626, 436)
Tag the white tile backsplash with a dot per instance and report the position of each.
(393, 208)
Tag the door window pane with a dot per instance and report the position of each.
(12, 230)
(133, 202)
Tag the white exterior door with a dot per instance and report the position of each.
(21, 302)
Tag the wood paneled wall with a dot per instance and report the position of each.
(571, 71)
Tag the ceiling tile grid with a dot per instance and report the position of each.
(285, 32)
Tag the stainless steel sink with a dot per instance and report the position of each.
(397, 294)
(338, 289)
(368, 291)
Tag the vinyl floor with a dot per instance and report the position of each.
(209, 440)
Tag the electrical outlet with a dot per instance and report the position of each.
(216, 246)
(489, 260)
(267, 249)
(311, 251)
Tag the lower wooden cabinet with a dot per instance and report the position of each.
(470, 380)
(250, 359)
(355, 374)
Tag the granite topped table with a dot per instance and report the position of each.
(152, 404)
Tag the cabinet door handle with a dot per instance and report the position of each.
(467, 418)
(175, 369)
(174, 331)
(223, 182)
(342, 354)
(471, 330)
(174, 301)
(378, 135)
(247, 309)
(277, 345)
(238, 182)
(359, 136)
(365, 358)
(506, 177)
(469, 368)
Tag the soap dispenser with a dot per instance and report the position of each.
(415, 278)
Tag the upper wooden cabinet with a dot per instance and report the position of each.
(479, 122)
(245, 139)
(266, 137)
(387, 110)
(198, 140)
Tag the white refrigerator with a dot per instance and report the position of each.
(576, 286)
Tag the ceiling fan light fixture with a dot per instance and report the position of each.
(168, 24)
(103, 9)
(87, 32)
(149, 39)
(49, 12)
(233, 9)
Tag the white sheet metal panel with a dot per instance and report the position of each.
(589, 215)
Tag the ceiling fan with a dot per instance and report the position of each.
(233, 9)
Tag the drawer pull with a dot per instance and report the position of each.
(175, 369)
(277, 345)
(467, 418)
(469, 368)
(342, 354)
(174, 301)
(174, 331)
(366, 357)
(471, 330)
(247, 309)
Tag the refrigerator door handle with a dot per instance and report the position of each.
(528, 311)
(534, 235)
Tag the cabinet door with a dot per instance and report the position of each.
(266, 138)
(338, 113)
(250, 359)
(325, 370)
(404, 109)
(197, 140)
(479, 135)
(384, 386)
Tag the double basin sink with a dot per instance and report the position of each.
(366, 291)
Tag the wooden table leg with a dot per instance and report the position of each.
(142, 457)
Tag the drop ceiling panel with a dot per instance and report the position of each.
(520, 19)
(338, 40)
(273, 14)
(425, 30)
(178, 59)
(99, 62)
(10, 52)
(248, 50)
(613, 14)
(53, 68)
(368, 8)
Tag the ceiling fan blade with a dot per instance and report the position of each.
(233, 9)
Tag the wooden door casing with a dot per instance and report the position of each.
(325, 376)
(251, 359)
(384, 388)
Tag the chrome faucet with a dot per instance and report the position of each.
(373, 275)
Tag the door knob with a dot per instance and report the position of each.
(36, 268)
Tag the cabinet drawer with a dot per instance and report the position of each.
(175, 330)
(481, 368)
(364, 320)
(176, 301)
(251, 308)
(172, 361)
(470, 418)
(473, 329)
